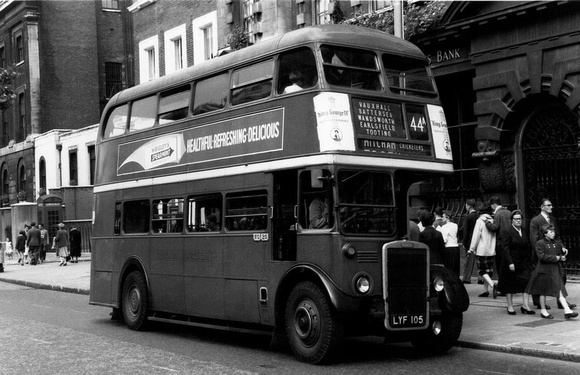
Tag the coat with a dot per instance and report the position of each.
(483, 240)
(548, 277)
(516, 250)
(433, 238)
(468, 227)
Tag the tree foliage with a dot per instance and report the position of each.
(6, 94)
(418, 18)
(238, 38)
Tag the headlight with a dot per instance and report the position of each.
(362, 283)
(438, 284)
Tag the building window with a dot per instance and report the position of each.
(175, 51)
(92, 160)
(204, 37)
(110, 4)
(323, 12)
(5, 182)
(5, 138)
(19, 42)
(42, 173)
(2, 56)
(21, 117)
(73, 167)
(149, 59)
(113, 79)
(21, 178)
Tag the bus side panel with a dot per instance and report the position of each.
(244, 260)
(203, 282)
(166, 274)
(101, 291)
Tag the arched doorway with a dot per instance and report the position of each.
(550, 149)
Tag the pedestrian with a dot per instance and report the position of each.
(448, 230)
(21, 246)
(543, 218)
(438, 218)
(62, 244)
(26, 249)
(516, 266)
(432, 238)
(483, 246)
(33, 243)
(468, 226)
(9, 249)
(44, 242)
(548, 277)
(501, 222)
(75, 245)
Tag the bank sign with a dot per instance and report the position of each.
(247, 135)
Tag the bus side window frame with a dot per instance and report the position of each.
(109, 132)
(310, 78)
(241, 91)
(128, 208)
(173, 114)
(206, 107)
(167, 215)
(144, 122)
(246, 218)
(197, 220)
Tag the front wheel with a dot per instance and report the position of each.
(442, 334)
(312, 329)
(135, 301)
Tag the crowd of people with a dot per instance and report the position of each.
(33, 242)
(527, 262)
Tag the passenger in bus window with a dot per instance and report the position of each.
(212, 224)
(297, 79)
(318, 212)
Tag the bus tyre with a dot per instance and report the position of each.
(312, 329)
(446, 339)
(135, 300)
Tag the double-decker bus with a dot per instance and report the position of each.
(266, 191)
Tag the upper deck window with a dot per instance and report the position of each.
(143, 113)
(408, 76)
(252, 82)
(211, 94)
(174, 105)
(117, 122)
(297, 71)
(349, 67)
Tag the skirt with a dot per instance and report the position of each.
(485, 265)
(63, 252)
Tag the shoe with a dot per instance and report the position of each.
(513, 312)
(64, 264)
(494, 291)
(19, 260)
(484, 294)
(547, 316)
(539, 307)
(480, 282)
(570, 305)
(528, 312)
(573, 314)
(60, 264)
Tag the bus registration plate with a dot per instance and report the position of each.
(406, 321)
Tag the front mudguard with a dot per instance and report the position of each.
(454, 297)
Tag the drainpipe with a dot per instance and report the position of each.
(59, 159)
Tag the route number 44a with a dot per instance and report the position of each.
(418, 124)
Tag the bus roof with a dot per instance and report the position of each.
(362, 37)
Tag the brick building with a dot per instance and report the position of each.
(70, 57)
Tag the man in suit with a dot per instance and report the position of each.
(545, 217)
(432, 238)
(468, 225)
(501, 222)
(33, 242)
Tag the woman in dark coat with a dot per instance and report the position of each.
(548, 277)
(516, 266)
(75, 245)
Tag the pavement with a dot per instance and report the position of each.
(486, 324)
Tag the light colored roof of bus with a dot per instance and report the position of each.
(361, 37)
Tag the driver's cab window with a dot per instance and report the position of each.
(316, 200)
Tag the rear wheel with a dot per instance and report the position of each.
(135, 301)
(312, 329)
(440, 338)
